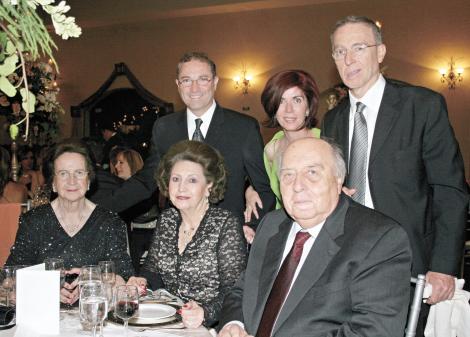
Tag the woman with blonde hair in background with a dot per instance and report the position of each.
(141, 218)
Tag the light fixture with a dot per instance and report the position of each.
(452, 75)
(243, 82)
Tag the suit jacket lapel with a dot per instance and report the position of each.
(181, 129)
(318, 259)
(342, 134)
(386, 118)
(270, 267)
(215, 130)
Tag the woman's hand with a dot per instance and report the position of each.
(252, 200)
(192, 315)
(249, 234)
(139, 282)
(69, 292)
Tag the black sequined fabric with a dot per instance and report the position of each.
(40, 235)
(208, 267)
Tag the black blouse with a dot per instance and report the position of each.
(208, 267)
(41, 236)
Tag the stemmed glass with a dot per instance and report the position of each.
(56, 264)
(108, 272)
(8, 280)
(108, 276)
(93, 304)
(89, 273)
(127, 303)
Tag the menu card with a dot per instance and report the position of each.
(38, 300)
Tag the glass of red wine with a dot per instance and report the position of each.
(127, 303)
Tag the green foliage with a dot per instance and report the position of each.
(22, 32)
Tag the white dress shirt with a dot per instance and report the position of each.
(372, 100)
(206, 120)
(314, 231)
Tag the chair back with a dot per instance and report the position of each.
(9, 216)
(413, 314)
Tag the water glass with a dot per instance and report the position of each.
(93, 304)
(108, 272)
(56, 264)
(89, 273)
(127, 303)
(8, 282)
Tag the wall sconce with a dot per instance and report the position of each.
(452, 75)
(243, 82)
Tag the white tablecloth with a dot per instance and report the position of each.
(70, 327)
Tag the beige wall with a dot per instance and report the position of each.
(420, 36)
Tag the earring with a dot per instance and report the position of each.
(54, 189)
(306, 113)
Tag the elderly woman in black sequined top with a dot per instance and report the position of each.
(198, 250)
(71, 227)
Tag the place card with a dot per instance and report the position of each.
(37, 301)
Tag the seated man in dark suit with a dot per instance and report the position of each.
(329, 267)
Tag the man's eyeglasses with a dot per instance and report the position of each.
(65, 175)
(187, 82)
(356, 50)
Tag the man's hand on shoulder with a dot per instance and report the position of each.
(443, 287)
(233, 330)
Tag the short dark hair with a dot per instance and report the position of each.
(190, 56)
(70, 147)
(23, 152)
(359, 19)
(282, 81)
(200, 153)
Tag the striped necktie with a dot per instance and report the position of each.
(197, 135)
(358, 156)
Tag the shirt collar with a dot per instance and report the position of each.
(314, 231)
(206, 116)
(372, 98)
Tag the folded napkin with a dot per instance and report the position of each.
(449, 318)
(6, 314)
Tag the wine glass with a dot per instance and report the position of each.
(108, 276)
(127, 303)
(89, 273)
(93, 304)
(8, 280)
(108, 272)
(56, 264)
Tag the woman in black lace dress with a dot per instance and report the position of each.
(198, 250)
(71, 227)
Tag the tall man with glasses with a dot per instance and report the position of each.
(236, 136)
(403, 158)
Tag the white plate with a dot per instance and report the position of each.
(150, 313)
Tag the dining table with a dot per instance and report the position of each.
(70, 327)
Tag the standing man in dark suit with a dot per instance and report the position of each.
(331, 267)
(411, 168)
(236, 136)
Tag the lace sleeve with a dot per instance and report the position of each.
(149, 269)
(231, 252)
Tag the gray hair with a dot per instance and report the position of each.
(338, 157)
(340, 164)
(198, 56)
(359, 19)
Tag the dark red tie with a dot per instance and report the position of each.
(281, 286)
